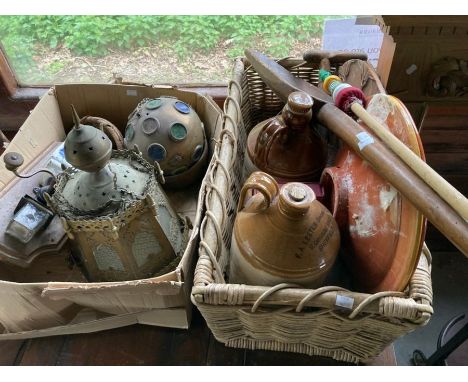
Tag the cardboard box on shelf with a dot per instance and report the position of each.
(50, 297)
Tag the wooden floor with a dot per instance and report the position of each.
(149, 345)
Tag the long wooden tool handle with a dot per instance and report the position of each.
(446, 191)
(392, 169)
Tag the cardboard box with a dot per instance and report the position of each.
(59, 304)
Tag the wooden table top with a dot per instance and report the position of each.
(150, 345)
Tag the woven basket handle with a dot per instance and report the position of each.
(261, 182)
(108, 128)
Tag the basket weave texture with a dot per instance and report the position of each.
(329, 321)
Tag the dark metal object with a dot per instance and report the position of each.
(87, 148)
(448, 78)
(444, 349)
(48, 188)
(335, 57)
(379, 156)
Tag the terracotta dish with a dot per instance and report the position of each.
(382, 233)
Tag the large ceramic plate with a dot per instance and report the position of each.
(382, 233)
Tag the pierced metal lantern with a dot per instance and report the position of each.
(169, 132)
(114, 210)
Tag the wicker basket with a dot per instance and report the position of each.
(329, 321)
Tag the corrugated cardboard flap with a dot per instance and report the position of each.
(42, 128)
(89, 322)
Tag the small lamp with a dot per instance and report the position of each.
(30, 216)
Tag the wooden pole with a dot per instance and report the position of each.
(446, 191)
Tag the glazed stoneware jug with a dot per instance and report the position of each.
(281, 235)
(286, 146)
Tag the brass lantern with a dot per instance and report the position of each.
(114, 210)
(168, 131)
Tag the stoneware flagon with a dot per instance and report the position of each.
(382, 233)
(286, 146)
(281, 235)
(168, 131)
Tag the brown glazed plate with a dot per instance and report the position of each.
(382, 233)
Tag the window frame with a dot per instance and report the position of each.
(18, 92)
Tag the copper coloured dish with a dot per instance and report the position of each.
(382, 233)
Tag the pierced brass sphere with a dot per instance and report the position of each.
(87, 148)
(168, 131)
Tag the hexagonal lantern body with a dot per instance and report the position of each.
(171, 133)
(118, 218)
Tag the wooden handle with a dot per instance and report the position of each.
(446, 191)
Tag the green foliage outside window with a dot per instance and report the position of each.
(95, 35)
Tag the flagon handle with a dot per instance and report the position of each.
(269, 133)
(261, 182)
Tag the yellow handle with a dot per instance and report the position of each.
(444, 189)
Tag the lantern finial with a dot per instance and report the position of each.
(76, 118)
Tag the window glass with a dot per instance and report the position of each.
(44, 50)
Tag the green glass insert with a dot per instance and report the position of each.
(178, 131)
(154, 104)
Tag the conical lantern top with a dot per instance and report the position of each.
(87, 148)
(76, 118)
